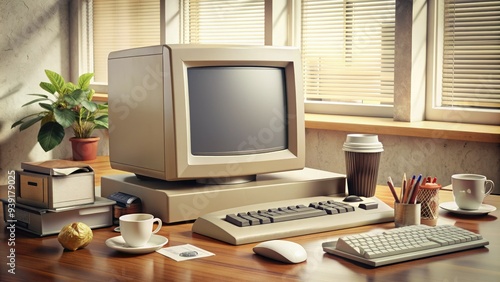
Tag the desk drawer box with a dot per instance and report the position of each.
(54, 191)
(44, 222)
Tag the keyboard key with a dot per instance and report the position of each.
(236, 220)
(262, 219)
(251, 220)
(287, 213)
(299, 214)
(368, 206)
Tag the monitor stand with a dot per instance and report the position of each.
(179, 201)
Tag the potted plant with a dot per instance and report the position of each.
(68, 105)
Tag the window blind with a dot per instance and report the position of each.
(471, 54)
(122, 24)
(223, 22)
(348, 50)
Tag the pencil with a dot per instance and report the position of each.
(403, 188)
(406, 199)
(414, 190)
(393, 191)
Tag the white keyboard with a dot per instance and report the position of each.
(403, 244)
(288, 218)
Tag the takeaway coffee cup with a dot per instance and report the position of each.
(362, 158)
(469, 190)
(137, 228)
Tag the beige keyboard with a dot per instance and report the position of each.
(288, 218)
(403, 244)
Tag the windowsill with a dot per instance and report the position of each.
(100, 97)
(387, 126)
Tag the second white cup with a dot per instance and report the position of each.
(137, 228)
(470, 190)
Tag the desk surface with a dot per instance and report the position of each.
(43, 259)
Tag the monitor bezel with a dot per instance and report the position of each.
(189, 166)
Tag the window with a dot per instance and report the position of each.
(466, 61)
(121, 24)
(223, 22)
(348, 55)
(112, 25)
(348, 47)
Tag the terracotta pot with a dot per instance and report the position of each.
(84, 149)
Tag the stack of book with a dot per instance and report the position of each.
(51, 194)
(125, 204)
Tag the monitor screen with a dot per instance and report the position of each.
(182, 112)
(236, 110)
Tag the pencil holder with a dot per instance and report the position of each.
(428, 196)
(406, 214)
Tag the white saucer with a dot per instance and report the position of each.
(155, 243)
(452, 207)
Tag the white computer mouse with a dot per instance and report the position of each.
(281, 250)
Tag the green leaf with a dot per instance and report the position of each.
(17, 123)
(90, 106)
(103, 107)
(30, 122)
(84, 80)
(46, 106)
(38, 95)
(50, 135)
(70, 87)
(48, 87)
(21, 121)
(34, 101)
(65, 117)
(90, 94)
(75, 98)
(102, 122)
(57, 80)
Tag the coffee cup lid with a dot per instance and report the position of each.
(363, 143)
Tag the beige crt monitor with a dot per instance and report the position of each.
(222, 113)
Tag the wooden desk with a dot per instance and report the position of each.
(43, 259)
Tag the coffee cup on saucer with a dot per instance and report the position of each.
(469, 190)
(137, 228)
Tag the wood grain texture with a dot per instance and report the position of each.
(43, 259)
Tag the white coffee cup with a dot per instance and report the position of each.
(136, 229)
(470, 190)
